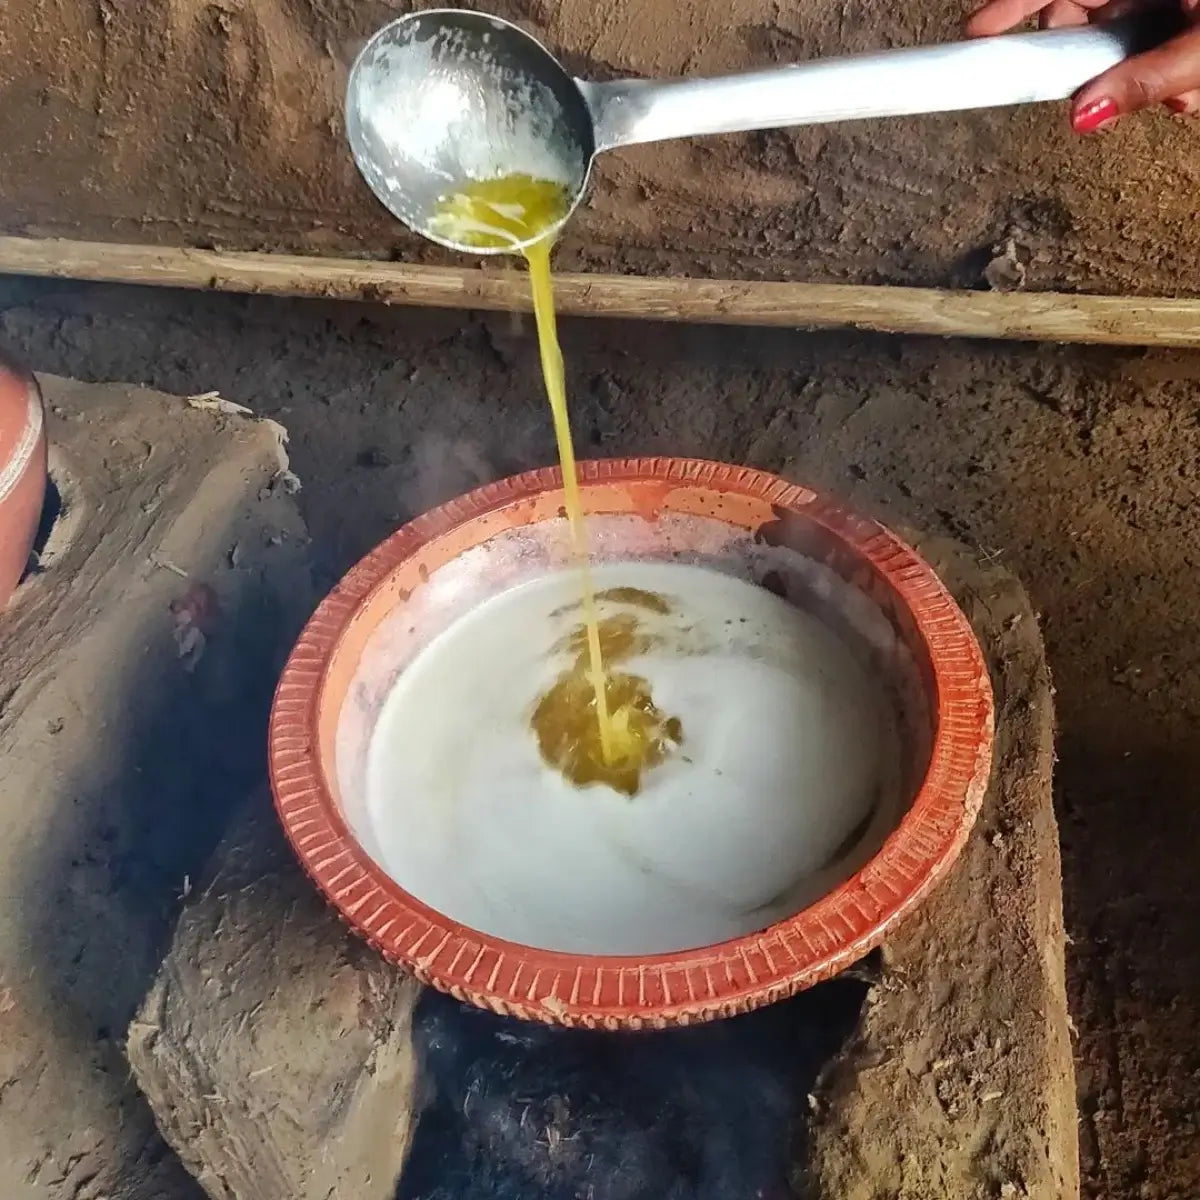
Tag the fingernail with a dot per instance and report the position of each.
(1175, 104)
(1090, 117)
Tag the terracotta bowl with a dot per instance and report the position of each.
(851, 572)
(22, 474)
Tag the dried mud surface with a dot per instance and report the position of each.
(1077, 470)
(447, 1102)
(218, 122)
(137, 661)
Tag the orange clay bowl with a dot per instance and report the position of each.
(22, 473)
(849, 573)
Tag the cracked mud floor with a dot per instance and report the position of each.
(1080, 469)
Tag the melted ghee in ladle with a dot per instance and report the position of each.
(592, 726)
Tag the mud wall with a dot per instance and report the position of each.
(218, 122)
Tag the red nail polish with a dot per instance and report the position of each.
(1090, 117)
(1175, 104)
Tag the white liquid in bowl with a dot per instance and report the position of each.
(790, 746)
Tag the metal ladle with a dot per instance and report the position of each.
(444, 97)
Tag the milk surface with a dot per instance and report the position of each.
(789, 745)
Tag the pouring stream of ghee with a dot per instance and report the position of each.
(502, 214)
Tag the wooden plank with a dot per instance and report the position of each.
(1020, 316)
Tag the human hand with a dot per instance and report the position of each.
(1168, 75)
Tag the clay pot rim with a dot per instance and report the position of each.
(23, 473)
(718, 980)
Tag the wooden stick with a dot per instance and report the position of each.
(1022, 316)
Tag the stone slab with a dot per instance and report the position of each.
(957, 1083)
(960, 1081)
(136, 669)
(275, 1048)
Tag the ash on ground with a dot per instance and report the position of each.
(514, 1111)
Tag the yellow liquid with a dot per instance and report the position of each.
(592, 726)
(643, 736)
(541, 284)
(500, 214)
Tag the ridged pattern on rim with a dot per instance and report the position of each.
(650, 991)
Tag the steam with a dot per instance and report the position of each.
(444, 467)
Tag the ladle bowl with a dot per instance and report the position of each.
(851, 573)
(443, 97)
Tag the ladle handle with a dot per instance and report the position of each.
(1023, 68)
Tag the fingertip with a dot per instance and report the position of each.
(978, 25)
(1090, 116)
(1063, 14)
(999, 16)
(1187, 104)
